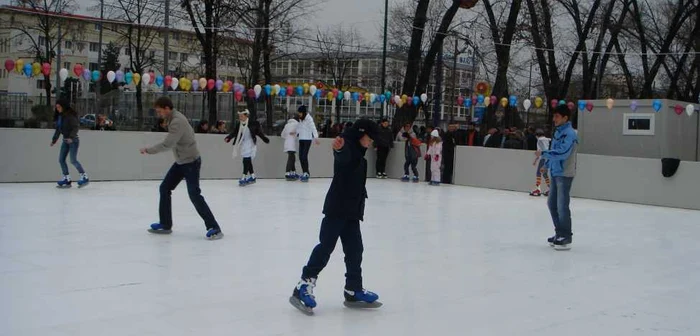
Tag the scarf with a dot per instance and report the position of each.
(239, 139)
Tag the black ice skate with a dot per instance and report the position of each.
(361, 299)
(562, 244)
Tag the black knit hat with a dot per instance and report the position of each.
(64, 103)
(302, 109)
(365, 126)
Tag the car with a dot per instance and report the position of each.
(89, 120)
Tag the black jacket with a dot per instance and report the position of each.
(346, 196)
(66, 125)
(255, 131)
(385, 138)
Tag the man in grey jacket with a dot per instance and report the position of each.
(181, 141)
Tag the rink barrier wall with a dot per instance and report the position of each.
(114, 156)
(609, 178)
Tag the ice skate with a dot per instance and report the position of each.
(536, 193)
(158, 228)
(361, 299)
(251, 179)
(435, 184)
(84, 180)
(64, 183)
(303, 296)
(243, 182)
(379, 175)
(384, 176)
(546, 193)
(416, 179)
(305, 177)
(405, 178)
(562, 244)
(288, 176)
(550, 240)
(214, 234)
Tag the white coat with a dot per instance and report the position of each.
(289, 134)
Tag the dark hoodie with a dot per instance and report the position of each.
(346, 196)
(67, 123)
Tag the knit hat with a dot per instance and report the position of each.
(302, 109)
(365, 126)
(64, 103)
(435, 134)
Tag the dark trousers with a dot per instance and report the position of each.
(558, 202)
(382, 154)
(71, 148)
(448, 161)
(304, 147)
(413, 163)
(291, 162)
(189, 172)
(248, 166)
(349, 233)
(428, 174)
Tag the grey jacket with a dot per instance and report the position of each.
(180, 139)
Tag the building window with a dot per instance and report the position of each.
(42, 41)
(638, 123)
(127, 51)
(68, 45)
(183, 57)
(97, 26)
(172, 55)
(40, 84)
(152, 54)
(94, 47)
(176, 36)
(94, 66)
(66, 65)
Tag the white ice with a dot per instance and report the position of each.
(445, 261)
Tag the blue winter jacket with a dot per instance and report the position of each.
(561, 158)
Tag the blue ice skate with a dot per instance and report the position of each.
(303, 296)
(158, 228)
(361, 299)
(84, 181)
(305, 177)
(405, 178)
(214, 234)
(251, 179)
(416, 179)
(435, 184)
(64, 183)
(243, 182)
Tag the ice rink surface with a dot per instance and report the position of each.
(445, 261)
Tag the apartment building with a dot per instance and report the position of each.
(81, 45)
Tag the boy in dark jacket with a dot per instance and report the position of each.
(67, 124)
(384, 144)
(245, 141)
(343, 209)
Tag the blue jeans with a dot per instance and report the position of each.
(348, 230)
(71, 148)
(189, 172)
(558, 202)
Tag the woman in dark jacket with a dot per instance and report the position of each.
(67, 124)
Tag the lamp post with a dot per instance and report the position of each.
(166, 43)
(386, 21)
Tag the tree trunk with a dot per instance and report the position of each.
(414, 51)
(256, 56)
(267, 69)
(503, 42)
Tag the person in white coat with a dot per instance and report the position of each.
(289, 134)
(306, 130)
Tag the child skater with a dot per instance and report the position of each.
(411, 152)
(542, 145)
(433, 155)
(289, 134)
(344, 209)
(67, 124)
(245, 138)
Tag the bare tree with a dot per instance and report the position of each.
(339, 48)
(42, 34)
(138, 35)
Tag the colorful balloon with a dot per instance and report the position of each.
(610, 103)
(527, 104)
(219, 84)
(554, 103)
(268, 89)
(167, 80)
(634, 105)
(119, 76)
(146, 79)
(78, 70)
(251, 94)
(657, 105)
(504, 101)
(137, 78)
(290, 91)
(581, 105)
(480, 99)
(460, 100)
(63, 74)
(195, 85)
(538, 102)
(487, 101)
(238, 95)
(19, 66)
(111, 76)
(571, 106)
(513, 101)
(300, 90)
(467, 103)
(424, 98)
(211, 84)
(9, 65)
(95, 75)
(46, 69)
(312, 90)
(678, 109)
(589, 106)
(306, 88)
(128, 78)
(174, 83)
(27, 70)
(689, 109)
(330, 96)
(416, 100)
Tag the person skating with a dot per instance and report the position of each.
(561, 161)
(306, 130)
(542, 145)
(383, 145)
(411, 152)
(434, 156)
(67, 125)
(188, 163)
(343, 209)
(245, 142)
(289, 134)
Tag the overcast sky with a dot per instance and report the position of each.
(366, 15)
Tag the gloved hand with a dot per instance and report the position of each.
(437, 158)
